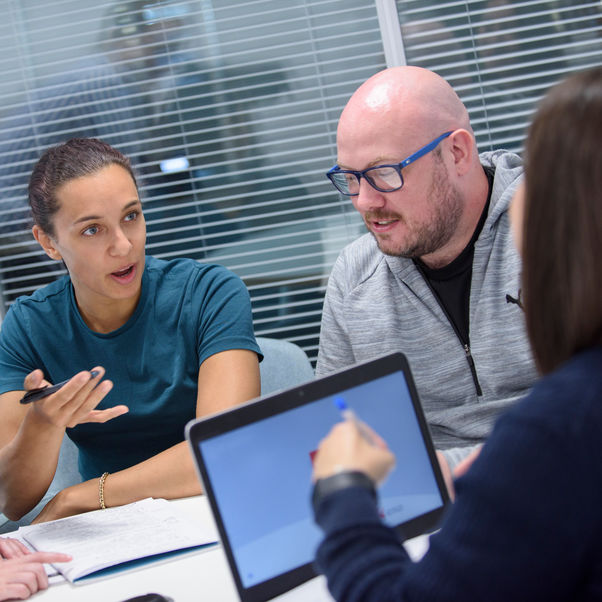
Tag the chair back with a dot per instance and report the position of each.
(284, 365)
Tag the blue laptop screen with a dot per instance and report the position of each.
(261, 475)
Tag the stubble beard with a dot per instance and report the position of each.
(430, 236)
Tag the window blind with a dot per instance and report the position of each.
(501, 56)
(228, 111)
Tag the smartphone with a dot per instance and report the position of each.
(36, 394)
(150, 598)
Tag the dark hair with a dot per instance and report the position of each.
(562, 232)
(60, 164)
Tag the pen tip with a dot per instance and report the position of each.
(340, 403)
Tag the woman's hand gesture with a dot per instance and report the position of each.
(75, 402)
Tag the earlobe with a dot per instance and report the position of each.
(46, 242)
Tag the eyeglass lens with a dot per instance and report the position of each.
(385, 179)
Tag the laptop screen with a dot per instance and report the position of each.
(259, 473)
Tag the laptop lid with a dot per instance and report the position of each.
(255, 464)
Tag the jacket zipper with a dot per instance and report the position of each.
(465, 344)
(473, 368)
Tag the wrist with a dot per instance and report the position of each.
(79, 498)
(339, 481)
(36, 421)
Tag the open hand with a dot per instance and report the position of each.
(75, 402)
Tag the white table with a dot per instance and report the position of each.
(195, 576)
(201, 575)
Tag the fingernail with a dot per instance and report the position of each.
(94, 374)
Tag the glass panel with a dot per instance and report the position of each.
(501, 55)
(228, 110)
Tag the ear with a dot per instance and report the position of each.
(463, 149)
(47, 243)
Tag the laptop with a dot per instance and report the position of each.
(255, 465)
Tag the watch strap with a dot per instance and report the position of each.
(340, 480)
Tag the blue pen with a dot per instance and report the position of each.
(348, 414)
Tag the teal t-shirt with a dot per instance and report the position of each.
(187, 312)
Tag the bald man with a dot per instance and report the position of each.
(437, 275)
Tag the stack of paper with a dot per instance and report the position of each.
(103, 539)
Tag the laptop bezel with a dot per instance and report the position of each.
(282, 401)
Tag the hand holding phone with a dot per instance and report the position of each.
(73, 401)
(41, 392)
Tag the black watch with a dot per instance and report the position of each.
(341, 480)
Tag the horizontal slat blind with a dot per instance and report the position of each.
(501, 56)
(228, 110)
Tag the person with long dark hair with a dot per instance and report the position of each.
(174, 337)
(527, 520)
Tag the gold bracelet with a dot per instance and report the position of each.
(101, 490)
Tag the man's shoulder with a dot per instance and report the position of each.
(508, 173)
(359, 260)
(501, 159)
(364, 247)
(508, 168)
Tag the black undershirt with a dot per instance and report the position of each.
(451, 283)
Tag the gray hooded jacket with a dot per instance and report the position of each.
(378, 304)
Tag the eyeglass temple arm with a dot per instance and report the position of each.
(424, 150)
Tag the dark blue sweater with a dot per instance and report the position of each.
(527, 521)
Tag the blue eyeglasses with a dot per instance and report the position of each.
(384, 178)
